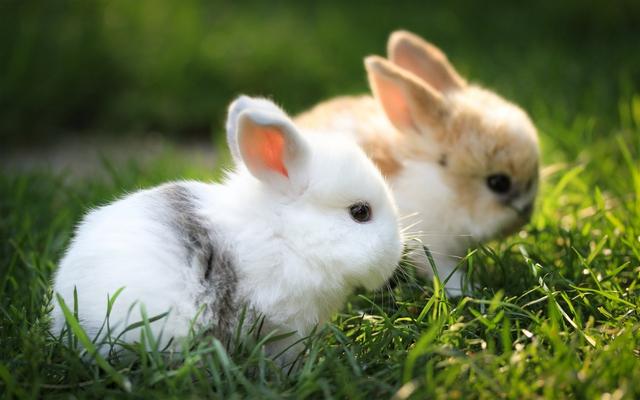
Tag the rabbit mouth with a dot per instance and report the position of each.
(522, 217)
(524, 213)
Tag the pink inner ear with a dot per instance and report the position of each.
(270, 146)
(394, 101)
(427, 72)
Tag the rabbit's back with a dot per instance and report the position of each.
(155, 246)
(358, 116)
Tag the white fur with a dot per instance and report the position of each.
(427, 205)
(298, 253)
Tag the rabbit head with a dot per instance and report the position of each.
(330, 206)
(483, 148)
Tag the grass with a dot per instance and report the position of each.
(557, 309)
(558, 314)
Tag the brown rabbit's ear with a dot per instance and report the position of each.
(408, 103)
(425, 60)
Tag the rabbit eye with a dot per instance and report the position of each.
(360, 211)
(499, 183)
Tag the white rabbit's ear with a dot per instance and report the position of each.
(423, 59)
(408, 102)
(263, 138)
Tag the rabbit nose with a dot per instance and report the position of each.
(527, 211)
(524, 212)
(510, 198)
(529, 184)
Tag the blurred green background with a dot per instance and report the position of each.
(125, 67)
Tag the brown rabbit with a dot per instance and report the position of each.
(462, 161)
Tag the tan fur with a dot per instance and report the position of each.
(376, 137)
(479, 146)
(425, 128)
(458, 129)
(463, 136)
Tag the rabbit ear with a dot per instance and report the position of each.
(263, 138)
(425, 60)
(408, 102)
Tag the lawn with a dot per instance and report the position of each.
(557, 310)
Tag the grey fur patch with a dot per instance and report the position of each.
(203, 250)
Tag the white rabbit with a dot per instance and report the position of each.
(302, 221)
(462, 161)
